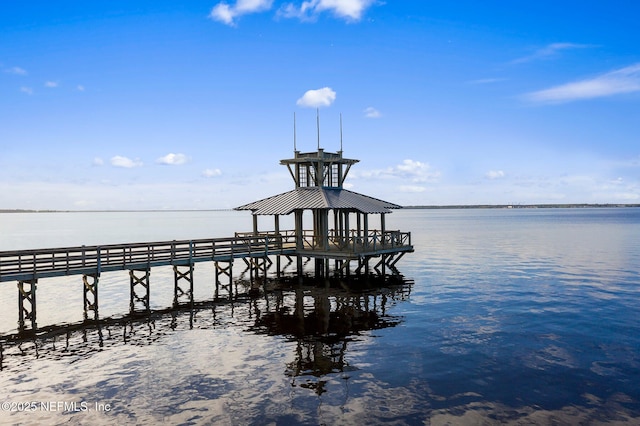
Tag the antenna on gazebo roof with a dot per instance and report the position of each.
(318, 125)
(340, 132)
(295, 148)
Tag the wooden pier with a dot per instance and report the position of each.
(27, 267)
(340, 233)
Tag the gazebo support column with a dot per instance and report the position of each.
(299, 241)
(366, 231)
(276, 227)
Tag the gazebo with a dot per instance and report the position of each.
(319, 190)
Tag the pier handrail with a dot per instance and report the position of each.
(19, 265)
(31, 264)
(355, 242)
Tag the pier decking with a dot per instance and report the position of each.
(33, 264)
(25, 265)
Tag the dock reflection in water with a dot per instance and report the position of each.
(322, 321)
(251, 353)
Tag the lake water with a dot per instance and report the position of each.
(519, 316)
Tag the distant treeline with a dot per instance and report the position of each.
(28, 211)
(522, 206)
(453, 206)
(101, 211)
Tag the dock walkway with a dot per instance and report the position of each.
(24, 265)
(27, 267)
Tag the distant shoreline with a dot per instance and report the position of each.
(108, 211)
(418, 207)
(523, 206)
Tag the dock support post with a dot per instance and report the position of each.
(278, 266)
(299, 267)
(320, 270)
(178, 291)
(342, 267)
(143, 282)
(90, 295)
(259, 265)
(392, 260)
(224, 271)
(380, 267)
(27, 311)
(282, 267)
(363, 262)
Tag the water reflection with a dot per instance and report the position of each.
(283, 354)
(512, 320)
(320, 317)
(322, 321)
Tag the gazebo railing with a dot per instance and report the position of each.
(354, 242)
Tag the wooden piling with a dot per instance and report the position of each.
(139, 283)
(178, 291)
(90, 295)
(27, 304)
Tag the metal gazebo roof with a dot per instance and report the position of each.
(318, 198)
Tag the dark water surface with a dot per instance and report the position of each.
(519, 316)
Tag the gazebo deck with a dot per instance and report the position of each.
(353, 246)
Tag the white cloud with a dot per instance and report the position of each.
(371, 112)
(412, 170)
(209, 173)
(51, 84)
(97, 161)
(624, 80)
(222, 12)
(494, 174)
(127, 163)
(486, 81)
(411, 188)
(317, 98)
(172, 159)
(626, 196)
(227, 14)
(83, 204)
(351, 10)
(16, 71)
(27, 90)
(80, 88)
(416, 170)
(550, 50)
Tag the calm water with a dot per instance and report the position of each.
(514, 316)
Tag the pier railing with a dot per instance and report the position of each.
(354, 242)
(28, 266)
(32, 264)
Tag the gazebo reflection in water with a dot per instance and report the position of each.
(322, 318)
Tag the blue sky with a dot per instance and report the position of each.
(155, 105)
